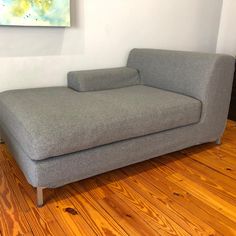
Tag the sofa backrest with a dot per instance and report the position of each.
(183, 72)
(206, 77)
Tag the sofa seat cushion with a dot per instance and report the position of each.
(48, 122)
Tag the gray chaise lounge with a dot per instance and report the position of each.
(163, 101)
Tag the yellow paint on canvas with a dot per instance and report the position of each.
(20, 7)
(43, 5)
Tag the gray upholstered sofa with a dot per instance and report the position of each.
(163, 101)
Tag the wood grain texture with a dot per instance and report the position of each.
(191, 192)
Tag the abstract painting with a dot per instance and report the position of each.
(35, 12)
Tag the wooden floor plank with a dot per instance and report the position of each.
(192, 224)
(149, 212)
(212, 160)
(119, 210)
(98, 219)
(67, 214)
(154, 175)
(15, 221)
(224, 187)
(191, 192)
(215, 202)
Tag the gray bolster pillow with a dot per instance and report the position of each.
(103, 79)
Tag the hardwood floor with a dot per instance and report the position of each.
(192, 192)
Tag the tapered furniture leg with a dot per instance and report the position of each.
(1, 141)
(40, 196)
(218, 141)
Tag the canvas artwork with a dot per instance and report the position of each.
(35, 12)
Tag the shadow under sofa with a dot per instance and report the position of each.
(161, 102)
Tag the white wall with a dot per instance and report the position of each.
(103, 32)
(227, 31)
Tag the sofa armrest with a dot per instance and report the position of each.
(94, 80)
(206, 77)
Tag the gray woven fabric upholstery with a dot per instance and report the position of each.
(206, 77)
(58, 171)
(149, 121)
(50, 122)
(94, 80)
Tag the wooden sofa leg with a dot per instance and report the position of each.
(218, 141)
(40, 196)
